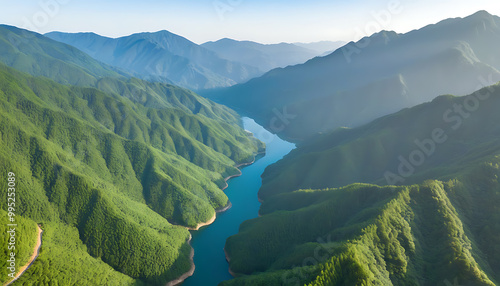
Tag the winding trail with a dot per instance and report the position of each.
(36, 252)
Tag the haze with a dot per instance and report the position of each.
(261, 21)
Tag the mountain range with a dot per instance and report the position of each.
(268, 57)
(161, 56)
(432, 218)
(107, 163)
(394, 181)
(375, 76)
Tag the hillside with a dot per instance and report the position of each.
(104, 174)
(438, 226)
(40, 56)
(264, 57)
(455, 56)
(366, 153)
(161, 56)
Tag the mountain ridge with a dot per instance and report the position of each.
(324, 222)
(263, 56)
(382, 55)
(161, 56)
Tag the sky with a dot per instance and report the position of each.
(256, 20)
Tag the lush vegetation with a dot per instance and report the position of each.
(108, 177)
(439, 226)
(367, 153)
(424, 234)
(25, 239)
(37, 55)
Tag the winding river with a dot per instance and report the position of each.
(208, 242)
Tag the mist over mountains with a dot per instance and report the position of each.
(268, 57)
(376, 76)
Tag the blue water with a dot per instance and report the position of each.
(208, 242)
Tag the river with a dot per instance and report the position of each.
(209, 241)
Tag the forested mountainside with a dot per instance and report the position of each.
(109, 164)
(38, 55)
(433, 220)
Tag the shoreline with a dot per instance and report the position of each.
(228, 259)
(228, 206)
(202, 224)
(190, 272)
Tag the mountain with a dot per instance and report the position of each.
(106, 163)
(432, 218)
(161, 56)
(264, 57)
(323, 48)
(114, 174)
(37, 55)
(455, 56)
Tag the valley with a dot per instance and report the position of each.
(150, 158)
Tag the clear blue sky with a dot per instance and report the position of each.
(256, 20)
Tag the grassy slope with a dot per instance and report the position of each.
(434, 232)
(112, 173)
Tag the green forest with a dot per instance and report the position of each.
(114, 173)
(438, 226)
(387, 184)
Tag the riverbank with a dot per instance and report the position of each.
(229, 205)
(202, 224)
(209, 243)
(228, 259)
(187, 274)
(212, 220)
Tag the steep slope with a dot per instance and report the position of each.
(161, 56)
(264, 57)
(37, 55)
(364, 154)
(454, 56)
(441, 230)
(113, 175)
(423, 234)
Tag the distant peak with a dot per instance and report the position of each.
(162, 32)
(481, 13)
(382, 36)
(227, 40)
(157, 33)
(386, 33)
